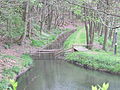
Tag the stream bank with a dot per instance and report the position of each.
(19, 59)
(50, 73)
(95, 59)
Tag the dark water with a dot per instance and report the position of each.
(50, 74)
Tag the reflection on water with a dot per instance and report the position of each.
(51, 74)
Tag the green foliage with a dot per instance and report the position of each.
(105, 86)
(14, 84)
(13, 17)
(37, 27)
(77, 37)
(4, 84)
(77, 10)
(97, 60)
(52, 37)
(18, 29)
(56, 31)
(36, 3)
(9, 57)
(8, 73)
(45, 38)
(37, 43)
(16, 69)
(94, 88)
(11, 72)
(101, 40)
(27, 60)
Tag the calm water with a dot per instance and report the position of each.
(50, 74)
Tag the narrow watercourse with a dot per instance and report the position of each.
(50, 73)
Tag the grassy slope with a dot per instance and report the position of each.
(46, 38)
(77, 37)
(96, 59)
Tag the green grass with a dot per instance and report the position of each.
(37, 43)
(97, 60)
(76, 38)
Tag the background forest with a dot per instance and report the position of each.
(21, 19)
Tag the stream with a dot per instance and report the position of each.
(49, 73)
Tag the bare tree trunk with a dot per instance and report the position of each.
(106, 28)
(87, 33)
(86, 28)
(105, 36)
(26, 22)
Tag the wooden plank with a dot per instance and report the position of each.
(79, 48)
(49, 50)
(84, 45)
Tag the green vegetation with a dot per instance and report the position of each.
(14, 84)
(10, 72)
(118, 41)
(5, 84)
(105, 86)
(97, 60)
(37, 43)
(76, 38)
(46, 38)
(100, 40)
(27, 60)
(36, 23)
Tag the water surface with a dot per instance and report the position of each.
(51, 74)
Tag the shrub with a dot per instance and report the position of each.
(8, 73)
(4, 84)
(37, 43)
(16, 69)
(105, 86)
(101, 40)
(52, 37)
(27, 60)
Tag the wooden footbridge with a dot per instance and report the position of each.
(49, 50)
(59, 51)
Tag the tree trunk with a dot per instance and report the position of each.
(26, 22)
